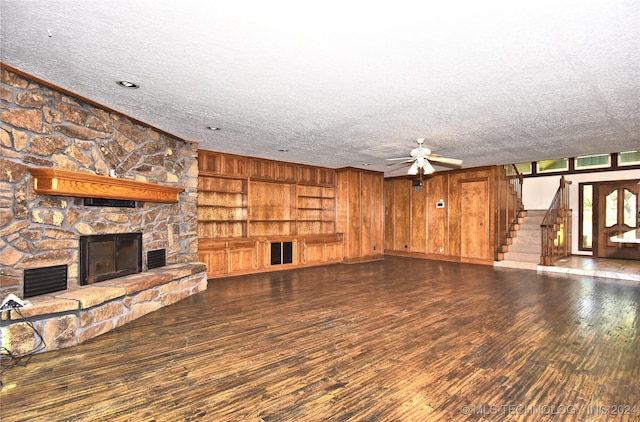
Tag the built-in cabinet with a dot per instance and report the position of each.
(452, 216)
(258, 215)
(360, 217)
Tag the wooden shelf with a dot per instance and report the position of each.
(50, 181)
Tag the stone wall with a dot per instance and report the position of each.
(42, 127)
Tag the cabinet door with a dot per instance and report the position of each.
(215, 260)
(242, 256)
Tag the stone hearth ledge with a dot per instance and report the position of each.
(72, 316)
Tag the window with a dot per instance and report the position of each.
(629, 211)
(524, 168)
(586, 217)
(581, 164)
(593, 161)
(550, 166)
(629, 158)
(611, 209)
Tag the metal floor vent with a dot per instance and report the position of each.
(40, 281)
(156, 258)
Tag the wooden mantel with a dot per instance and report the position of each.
(51, 181)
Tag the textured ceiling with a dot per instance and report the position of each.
(349, 83)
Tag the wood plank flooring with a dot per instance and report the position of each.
(402, 339)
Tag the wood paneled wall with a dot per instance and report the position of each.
(463, 230)
(360, 217)
(343, 215)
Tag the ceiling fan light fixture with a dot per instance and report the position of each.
(413, 170)
(427, 168)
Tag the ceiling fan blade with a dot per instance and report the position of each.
(400, 163)
(446, 161)
(396, 159)
(395, 170)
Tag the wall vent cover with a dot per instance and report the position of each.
(281, 253)
(40, 281)
(102, 202)
(156, 258)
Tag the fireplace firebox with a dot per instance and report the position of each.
(107, 256)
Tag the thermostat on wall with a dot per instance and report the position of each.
(440, 204)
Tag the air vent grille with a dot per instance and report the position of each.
(281, 253)
(40, 281)
(102, 202)
(156, 258)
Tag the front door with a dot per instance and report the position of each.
(618, 206)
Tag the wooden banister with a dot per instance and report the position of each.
(510, 205)
(555, 225)
(515, 180)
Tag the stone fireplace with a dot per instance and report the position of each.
(57, 151)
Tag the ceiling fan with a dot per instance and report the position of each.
(420, 158)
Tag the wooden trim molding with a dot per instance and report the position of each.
(50, 181)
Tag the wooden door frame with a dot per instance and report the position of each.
(597, 241)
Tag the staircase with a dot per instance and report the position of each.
(524, 246)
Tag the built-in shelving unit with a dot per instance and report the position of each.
(316, 209)
(222, 207)
(247, 205)
(272, 212)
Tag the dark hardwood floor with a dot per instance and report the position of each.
(402, 339)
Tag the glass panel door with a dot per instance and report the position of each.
(617, 214)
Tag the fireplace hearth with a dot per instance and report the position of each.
(107, 256)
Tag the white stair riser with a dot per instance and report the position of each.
(521, 257)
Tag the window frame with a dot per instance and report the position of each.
(581, 187)
(572, 170)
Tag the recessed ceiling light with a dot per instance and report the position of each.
(213, 128)
(366, 164)
(128, 84)
(283, 150)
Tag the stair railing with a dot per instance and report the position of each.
(510, 200)
(555, 226)
(515, 180)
